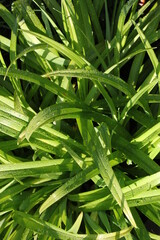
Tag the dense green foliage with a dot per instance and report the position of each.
(79, 119)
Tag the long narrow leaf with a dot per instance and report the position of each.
(100, 157)
(34, 168)
(35, 78)
(69, 186)
(80, 61)
(97, 76)
(150, 51)
(48, 229)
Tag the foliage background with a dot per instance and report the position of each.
(79, 119)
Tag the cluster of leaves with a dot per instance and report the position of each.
(79, 120)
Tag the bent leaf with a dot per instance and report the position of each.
(48, 229)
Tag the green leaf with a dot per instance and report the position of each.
(34, 168)
(150, 51)
(35, 78)
(134, 153)
(7, 16)
(49, 229)
(95, 227)
(70, 22)
(78, 60)
(105, 221)
(148, 197)
(98, 152)
(135, 99)
(108, 79)
(75, 227)
(69, 186)
(60, 33)
(133, 191)
(73, 111)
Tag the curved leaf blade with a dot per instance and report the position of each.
(49, 229)
(97, 150)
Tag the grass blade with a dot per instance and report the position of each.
(37, 79)
(76, 225)
(135, 99)
(69, 186)
(108, 79)
(78, 60)
(34, 168)
(132, 152)
(49, 229)
(98, 154)
(149, 49)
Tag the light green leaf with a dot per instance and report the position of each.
(34, 168)
(35, 78)
(135, 99)
(134, 153)
(141, 187)
(108, 79)
(60, 33)
(75, 227)
(98, 152)
(150, 51)
(78, 60)
(49, 229)
(69, 186)
(73, 111)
